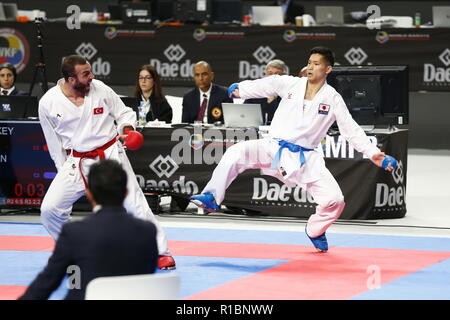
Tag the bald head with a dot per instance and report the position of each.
(204, 64)
(203, 75)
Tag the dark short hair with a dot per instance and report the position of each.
(11, 68)
(69, 63)
(325, 52)
(107, 181)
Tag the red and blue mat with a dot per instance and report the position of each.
(231, 264)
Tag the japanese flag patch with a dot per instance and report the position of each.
(324, 108)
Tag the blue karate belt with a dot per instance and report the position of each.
(293, 148)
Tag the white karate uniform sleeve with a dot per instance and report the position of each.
(271, 86)
(54, 144)
(351, 131)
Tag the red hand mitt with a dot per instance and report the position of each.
(134, 140)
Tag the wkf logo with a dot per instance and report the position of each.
(196, 141)
(289, 35)
(14, 48)
(164, 166)
(355, 56)
(382, 37)
(199, 34)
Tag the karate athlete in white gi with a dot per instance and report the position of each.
(77, 117)
(309, 106)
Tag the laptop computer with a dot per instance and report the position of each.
(242, 115)
(329, 15)
(441, 17)
(267, 15)
(136, 12)
(18, 107)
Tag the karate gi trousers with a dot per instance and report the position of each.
(68, 186)
(259, 154)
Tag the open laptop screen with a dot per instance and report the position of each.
(329, 15)
(242, 115)
(441, 17)
(18, 107)
(268, 15)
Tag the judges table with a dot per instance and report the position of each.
(181, 160)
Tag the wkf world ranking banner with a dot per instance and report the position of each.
(235, 53)
(181, 161)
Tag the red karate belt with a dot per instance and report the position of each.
(99, 152)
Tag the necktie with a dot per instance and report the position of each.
(201, 114)
(5, 92)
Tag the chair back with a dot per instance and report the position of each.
(156, 286)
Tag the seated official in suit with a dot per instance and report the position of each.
(149, 90)
(204, 103)
(290, 10)
(270, 104)
(110, 242)
(8, 76)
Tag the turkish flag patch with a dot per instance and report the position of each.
(98, 110)
(324, 108)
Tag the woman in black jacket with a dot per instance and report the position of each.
(148, 89)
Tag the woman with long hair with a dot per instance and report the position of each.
(148, 89)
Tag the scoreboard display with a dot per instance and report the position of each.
(26, 169)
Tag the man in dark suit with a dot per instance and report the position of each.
(108, 243)
(204, 103)
(290, 10)
(8, 76)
